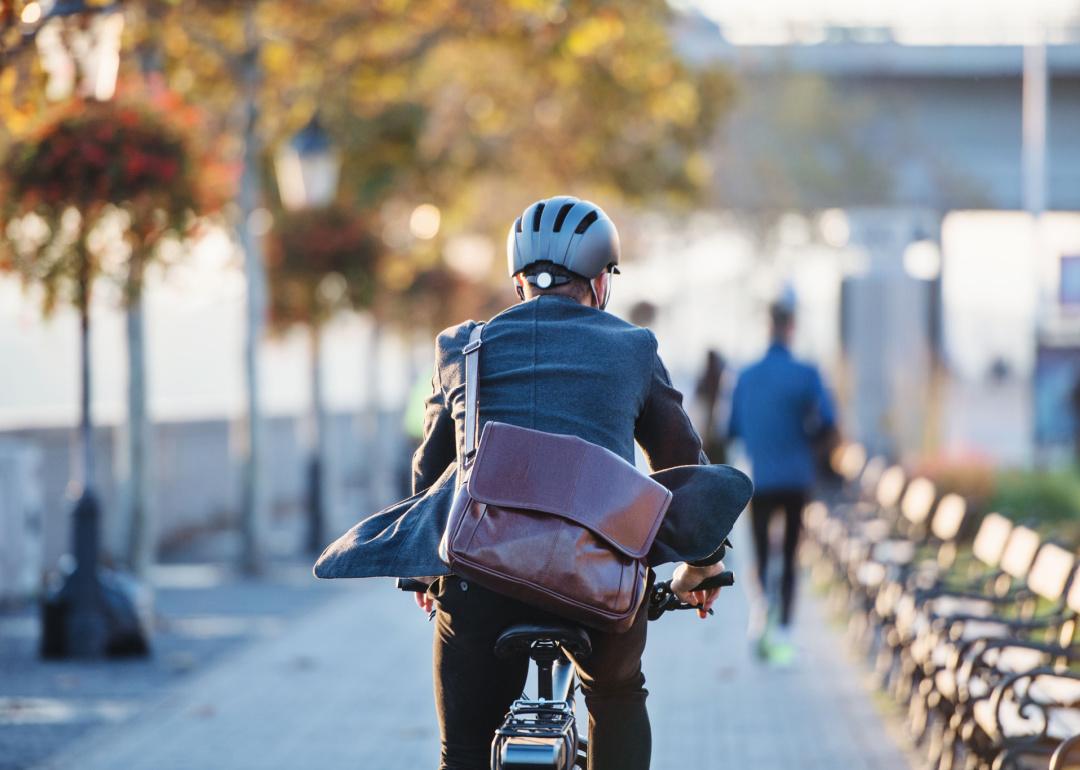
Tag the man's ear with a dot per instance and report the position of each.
(519, 285)
(601, 290)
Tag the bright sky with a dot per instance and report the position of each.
(912, 21)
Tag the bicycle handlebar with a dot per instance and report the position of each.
(723, 579)
(411, 585)
(661, 599)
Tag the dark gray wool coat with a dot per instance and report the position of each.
(554, 365)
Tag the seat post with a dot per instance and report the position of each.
(543, 679)
(544, 652)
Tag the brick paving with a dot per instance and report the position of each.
(349, 685)
(202, 611)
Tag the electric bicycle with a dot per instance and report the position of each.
(541, 733)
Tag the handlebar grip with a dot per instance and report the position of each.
(722, 580)
(410, 585)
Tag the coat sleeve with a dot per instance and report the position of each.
(438, 448)
(704, 508)
(663, 428)
(822, 412)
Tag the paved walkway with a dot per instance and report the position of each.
(349, 685)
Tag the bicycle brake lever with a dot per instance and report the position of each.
(684, 606)
(664, 601)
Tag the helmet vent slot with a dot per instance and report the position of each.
(517, 225)
(536, 217)
(562, 215)
(583, 225)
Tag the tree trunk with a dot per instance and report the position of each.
(86, 430)
(86, 530)
(375, 466)
(317, 467)
(141, 544)
(249, 199)
(85, 628)
(87, 619)
(140, 518)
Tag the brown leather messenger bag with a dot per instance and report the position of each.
(554, 521)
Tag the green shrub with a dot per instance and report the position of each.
(973, 478)
(1047, 500)
(1046, 497)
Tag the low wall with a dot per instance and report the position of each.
(197, 476)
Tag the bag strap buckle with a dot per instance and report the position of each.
(472, 376)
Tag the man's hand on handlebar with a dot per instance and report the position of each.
(686, 577)
(423, 601)
(675, 594)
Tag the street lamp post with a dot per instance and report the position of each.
(91, 614)
(308, 168)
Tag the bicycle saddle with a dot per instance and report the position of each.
(520, 638)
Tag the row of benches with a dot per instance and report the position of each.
(976, 644)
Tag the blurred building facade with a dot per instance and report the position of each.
(914, 143)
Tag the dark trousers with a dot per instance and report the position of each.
(762, 507)
(474, 689)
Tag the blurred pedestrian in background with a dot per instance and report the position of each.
(780, 411)
(412, 428)
(706, 410)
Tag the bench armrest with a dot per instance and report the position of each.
(1019, 688)
(922, 597)
(953, 624)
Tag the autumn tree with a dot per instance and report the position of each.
(94, 192)
(472, 108)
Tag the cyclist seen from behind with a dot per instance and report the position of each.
(554, 362)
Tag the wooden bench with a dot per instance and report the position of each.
(1067, 755)
(1031, 714)
(849, 532)
(969, 659)
(979, 648)
(900, 572)
(929, 638)
(1040, 641)
(922, 541)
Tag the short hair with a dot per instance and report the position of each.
(565, 281)
(782, 314)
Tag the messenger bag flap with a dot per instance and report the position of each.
(572, 478)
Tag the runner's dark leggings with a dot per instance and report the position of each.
(762, 507)
(474, 689)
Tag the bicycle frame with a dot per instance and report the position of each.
(542, 734)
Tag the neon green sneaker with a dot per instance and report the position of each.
(781, 650)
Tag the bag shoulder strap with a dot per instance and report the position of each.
(472, 396)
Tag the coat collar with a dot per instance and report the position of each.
(777, 348)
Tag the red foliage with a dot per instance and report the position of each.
(100, 153)
(306, 247)
(90, 156)
(93, 153)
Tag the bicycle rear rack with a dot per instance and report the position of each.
(536, 735)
